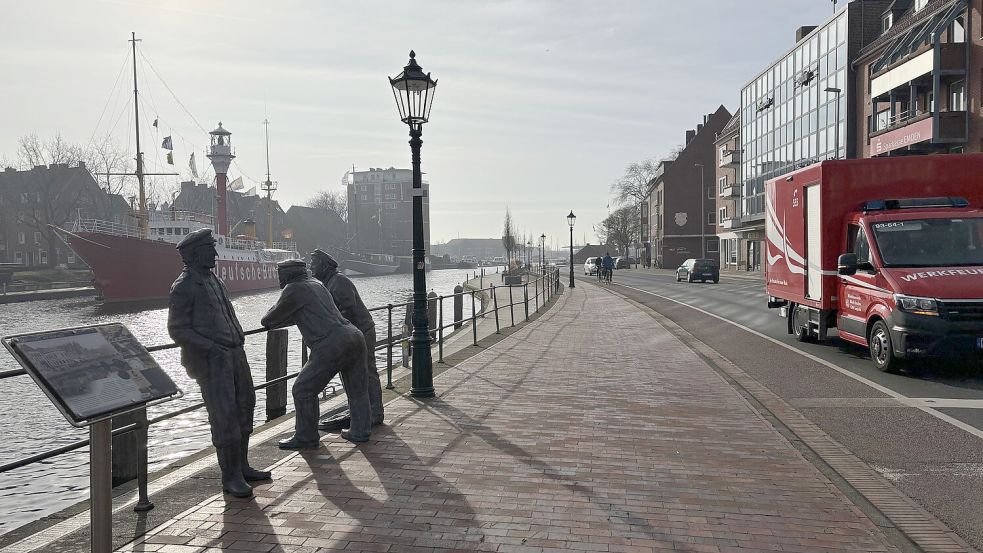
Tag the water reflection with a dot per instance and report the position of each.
(31, 424)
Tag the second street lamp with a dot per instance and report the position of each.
(542, 254)
(414, 91)
(571, 219)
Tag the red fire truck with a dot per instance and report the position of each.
(889, 251)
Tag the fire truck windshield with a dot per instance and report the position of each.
(930, 242)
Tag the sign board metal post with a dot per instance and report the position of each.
(101, 486)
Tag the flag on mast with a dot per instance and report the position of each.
(155, 122)
(236, 184)
(170, 158)
(191, 164)
(167, 145)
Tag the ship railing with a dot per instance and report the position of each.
(105, 227)
(130, 430)
(180, 215)
(14, 287)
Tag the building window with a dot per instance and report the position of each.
(886, 22)
(722, 212)
(957, 96)
(21, 238)
(709, 193)
(733, 251)
(722, 183)
(919, 4)
(711, 218)
(37, 237)
(18, 257)
(44, 257)
(713, 245)
(957, 30)
(723, 152)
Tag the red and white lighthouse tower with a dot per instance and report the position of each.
(221, 155)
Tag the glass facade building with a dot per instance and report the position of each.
(788, 118)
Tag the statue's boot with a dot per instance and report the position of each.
(230, 461)
(249, 473)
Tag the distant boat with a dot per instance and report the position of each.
(365, 264)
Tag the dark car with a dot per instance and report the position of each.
(621, 263)
(698, 269)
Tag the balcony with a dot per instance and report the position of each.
(730, 191)
(730, 158)
(730, 223)
(904, 131)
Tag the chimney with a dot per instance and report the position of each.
(699, 128)
(802, 32)
(81, 165)
(690, 135)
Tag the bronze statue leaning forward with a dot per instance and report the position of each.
(335, 345)
(202, 321)
(345, 296)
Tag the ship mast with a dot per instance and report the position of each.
(269, 187)
(142, 216)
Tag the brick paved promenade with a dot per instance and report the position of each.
(575, 433)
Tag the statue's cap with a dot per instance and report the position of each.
(324, 256)
(288, 264)
(197, 238)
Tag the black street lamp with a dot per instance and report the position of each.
(414, 91)
(542, 253)
(571, 219)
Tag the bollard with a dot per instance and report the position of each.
(536, 284)
(511, 306)
(432, 314)
(407, 332)
(474, 320)
(276, 367)
(525, 298)
(389, 349)
(440, 330)
(143, 500)
(495, 304)
(458, 306)
(125, 449)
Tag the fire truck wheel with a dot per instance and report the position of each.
(881, 348)
(798, 328)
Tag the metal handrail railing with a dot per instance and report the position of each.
(546, 286)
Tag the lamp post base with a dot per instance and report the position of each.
(423, 392)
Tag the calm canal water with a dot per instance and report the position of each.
(30, 423)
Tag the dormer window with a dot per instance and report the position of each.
(919, 4)
(886, 22)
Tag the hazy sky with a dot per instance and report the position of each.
(539, 107)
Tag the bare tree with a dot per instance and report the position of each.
(620, 228)
(509, 239)
(327, 200)
(46, 200)
(633, 186)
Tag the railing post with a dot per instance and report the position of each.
(511, 306)
(276, 367)
(525, 298)
(440, 329)
(100, 487)
(536, 284)
(474, 320)
(389, 349)
(458, 306)
(143, 500)
(498, 330)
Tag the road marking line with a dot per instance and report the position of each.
(914, 402)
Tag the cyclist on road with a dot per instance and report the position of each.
(608, 264)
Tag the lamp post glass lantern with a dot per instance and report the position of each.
(542, 253)
(414, 92)
(571, 219)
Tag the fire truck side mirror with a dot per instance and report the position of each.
(847, 264)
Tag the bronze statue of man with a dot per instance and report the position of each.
(336, 346)
(346, 297)
(202, 321)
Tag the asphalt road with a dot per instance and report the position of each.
(922, 429)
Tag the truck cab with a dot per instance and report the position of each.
(911, 279)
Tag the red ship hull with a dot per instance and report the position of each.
(128, 269)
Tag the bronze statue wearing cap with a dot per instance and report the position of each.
(346, 297)
(202, 321)
(336, 346)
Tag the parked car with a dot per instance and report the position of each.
(698, 269)
(592, 265)
(621, 263)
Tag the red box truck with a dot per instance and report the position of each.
(887, 250)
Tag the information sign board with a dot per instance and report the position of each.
(92, 373)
